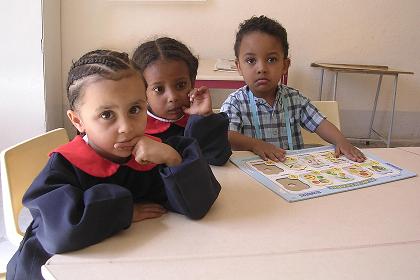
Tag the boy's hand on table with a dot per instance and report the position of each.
(200, 102)
(331, 134)
(268, 151)
(142, 211)
(349, 151)
(148, 150)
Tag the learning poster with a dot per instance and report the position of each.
(315, 172)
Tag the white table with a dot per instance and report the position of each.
(414, 150)
(251, 233)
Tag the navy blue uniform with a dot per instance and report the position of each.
(80, 199)
(211, 132)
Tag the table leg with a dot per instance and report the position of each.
(322, 82)
(335, 86)
(392, 112)
(378, 89)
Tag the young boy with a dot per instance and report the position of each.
(258, 111)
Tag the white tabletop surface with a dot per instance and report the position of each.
(386, 262)
(206, 72)
(414, 150)
(370, 233)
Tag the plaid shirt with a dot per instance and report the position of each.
(272, 119)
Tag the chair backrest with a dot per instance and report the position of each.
(20, 164)
(328, 109)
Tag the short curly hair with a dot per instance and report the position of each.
(265, 25)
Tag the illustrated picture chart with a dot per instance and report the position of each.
(315, 172)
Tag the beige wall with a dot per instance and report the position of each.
(381, 32)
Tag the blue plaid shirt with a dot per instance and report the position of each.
(272, 118)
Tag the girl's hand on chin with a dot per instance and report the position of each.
(148, 150)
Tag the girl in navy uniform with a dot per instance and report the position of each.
(174, 106)
(112, 174)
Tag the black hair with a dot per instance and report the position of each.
(97, 64)
(265, 25)
(162, 49)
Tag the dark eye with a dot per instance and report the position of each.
(135, 110)
(181, 85)
(158, 89)
(272, 60)
(250, 60)
(107, 115)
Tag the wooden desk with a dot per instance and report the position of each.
(251, 233)
(365, 69)
(207, 76)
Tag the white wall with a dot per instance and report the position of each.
(370, 32)
(22, 106)
(21, 72)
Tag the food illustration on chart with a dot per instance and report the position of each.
(316, 172)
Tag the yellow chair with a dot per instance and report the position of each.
(20, 164)
(328, 109)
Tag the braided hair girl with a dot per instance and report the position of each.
(175, 107)
(115, 175)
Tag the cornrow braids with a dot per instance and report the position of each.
(92, 66)
(265, 25)
(165, 48)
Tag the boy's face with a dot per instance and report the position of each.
(168, 85)
(112, 112)
(261, 62)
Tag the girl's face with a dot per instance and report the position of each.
(168, 85)
(112, 112)
(261, 62)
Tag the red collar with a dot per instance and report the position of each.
(81, 155)
(155, 126)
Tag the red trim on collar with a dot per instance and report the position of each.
(155, 126)
(81, 155)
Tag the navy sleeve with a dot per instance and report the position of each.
(69, 216)
(211, 133)
(191, 186)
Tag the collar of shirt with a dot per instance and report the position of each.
(262, 101)
(81, 155)
(158, 125)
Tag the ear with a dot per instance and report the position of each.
(76, 120)
(238, 66)
(286, 65)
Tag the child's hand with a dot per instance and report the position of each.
(148, 150)
(268, 151)
(200, 102)
(349, 151)
(331, 134)
(142, 211)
